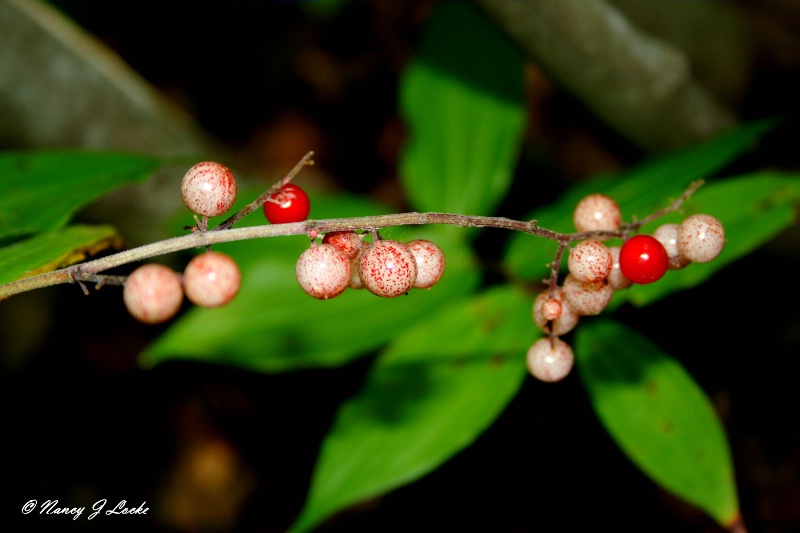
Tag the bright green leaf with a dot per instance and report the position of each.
(40, 191)
(658, 416)
(435, 390)
(55, 249)
(463, 100)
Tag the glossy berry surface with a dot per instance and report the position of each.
(290, 204)
(153, 293)
(550, 361)
(211, 279)
(348, 242)
(430, 262)
(388, 269)
(587, 298)
(209, 189)
(701, 238)
(543, 313)
(597, 212)
(643, 259)
(590, 261)
(323, 271)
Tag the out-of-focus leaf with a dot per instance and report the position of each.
(277, 327)
(658, 416)
(463, 101)
(425, 399)
(40, 191)
(55, 249)
(639, 192)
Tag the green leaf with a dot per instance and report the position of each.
(434, 391)
(658, 416)
(277, 327)
(54, 250)
(463, 100)
(40, 191)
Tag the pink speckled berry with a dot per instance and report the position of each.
(667, 234)
(349, 242)
(387, 268)
(562, 324)
(355, 277)
(552, 309)
(616, 279)
(323, 271)
(153, 293)
(701, 238)
(209, 189)
(550, 361)
(597, 212)
(587, 298)
(430, 262)
(211, 279)
(590, 261)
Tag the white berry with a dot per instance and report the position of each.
(387, 268)
(562, 324)
(590, 261)
(430, 262)
(323, 271)
(209, 189)
(701, 238)
(550, 361)
(153, 293)
(211, 279)
(667, 234)
(616, 279)
(587, 298)
(597, 212)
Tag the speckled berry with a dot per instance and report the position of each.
(587, 298)
(211, 279)
(430, 262)
(562, 324)
(323, 271)
(348, 242)
(597, 212)
(667, 235)
(701, 238)
(388, 269)
(548, 361)
(616, 279)
(153, 293)
(590, 261)
(209, 189)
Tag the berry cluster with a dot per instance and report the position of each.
(386, 268)
(597, 270)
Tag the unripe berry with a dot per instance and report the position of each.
(355, 277)
(597, 212)
(701, 238)
(323, 271)
(562, 324)
(211, 279)
(667, 234)
(590, 261)
(552, 309)
(550, 361)
(209, 189)
(430, 262)
(587, 298)
(348, 242)
(616, 279)
(153, 293)
(388, 268)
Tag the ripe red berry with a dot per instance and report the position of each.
(153, 293)
(211, 279)
(643, 259)
(387, 268)
(209, 189)
(290, 204)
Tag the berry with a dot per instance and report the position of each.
(355, 277)
(323, 271)
(586, 298)
(667, 234)
(211, 279)
(348, 242)
(590, 261)
(597, 212)
(643, 259)
(563, 323)
(153, 293)
(387, 269)
(701, 238)
(289, 204)
(430, 262)
(550, 361)
(209, 189)
(552, 309)
(616, 279)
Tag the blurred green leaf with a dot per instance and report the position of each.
(658, 416)
(424, 401)
(54, 250)
(277, 327)
(463, 100)
(40, 191)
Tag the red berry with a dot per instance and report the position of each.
(643, 259)
(290, 204)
